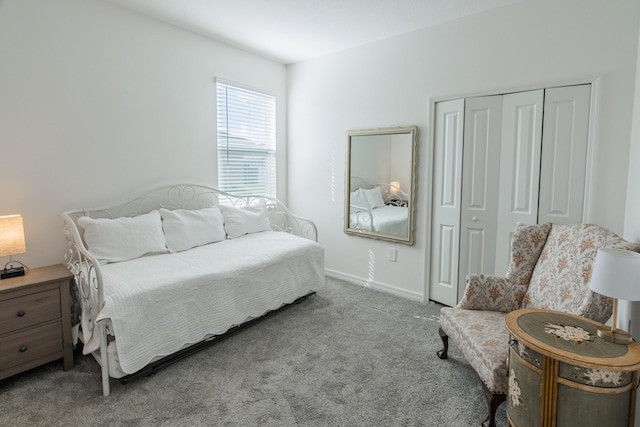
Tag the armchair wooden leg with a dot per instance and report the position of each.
(493, 401)
(442, 354)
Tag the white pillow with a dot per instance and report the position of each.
(245, 220)
(186, 229)
(374, 197)
(121, 239)
(359, 199)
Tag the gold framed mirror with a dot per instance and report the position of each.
(380, 189)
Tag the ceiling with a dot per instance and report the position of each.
(290, 31)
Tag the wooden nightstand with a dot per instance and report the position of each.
(35, 320)
(561, 373)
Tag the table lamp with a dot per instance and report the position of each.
(11, 243)
(394, 187)
(616, 274)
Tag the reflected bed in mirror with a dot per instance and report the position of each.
(381, 183)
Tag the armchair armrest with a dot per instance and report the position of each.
(491, 293)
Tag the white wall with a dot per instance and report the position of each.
(394, 82)
(629, 314)
(632, 213)
(97, 101)
(371, 150)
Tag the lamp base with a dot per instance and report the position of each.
(617, 336)
(11, 272)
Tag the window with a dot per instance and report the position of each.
(246, 141)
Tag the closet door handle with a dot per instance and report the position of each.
(474, 219)
(519, 224)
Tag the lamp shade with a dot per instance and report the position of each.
(616, 274)
(395, 187)
(11, 235)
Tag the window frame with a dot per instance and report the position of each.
(249, 146)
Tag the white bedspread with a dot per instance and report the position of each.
(159, 303)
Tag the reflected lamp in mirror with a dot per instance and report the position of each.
(11, 243)
(616, 274)
(395, 188)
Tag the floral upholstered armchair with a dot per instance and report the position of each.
(550, 267)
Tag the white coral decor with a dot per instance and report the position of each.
(514, 390)
(522, 350)
(568, 333)
(596, 375)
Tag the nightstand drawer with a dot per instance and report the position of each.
(31, 344)
(29, 310)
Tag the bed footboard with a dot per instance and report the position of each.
(361, 218)
(88, 289)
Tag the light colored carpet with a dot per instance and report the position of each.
(348, 356)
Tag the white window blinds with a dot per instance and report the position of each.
(246, 141)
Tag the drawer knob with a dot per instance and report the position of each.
(21, 313)
(23, 349)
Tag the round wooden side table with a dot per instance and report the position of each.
(562, 374)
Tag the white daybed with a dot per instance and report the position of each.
(382, 208)
(161, 274)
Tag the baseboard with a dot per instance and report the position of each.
(379, 286)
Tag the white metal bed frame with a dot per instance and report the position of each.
(86, 268)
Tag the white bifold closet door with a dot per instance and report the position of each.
(563, 168)
(480, 180)
(465, 200)
(519, 169)
(501, 162)
(447, 164)
(544, 152)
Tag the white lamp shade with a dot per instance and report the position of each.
(616, 274)
(11, 235)
(395, 187)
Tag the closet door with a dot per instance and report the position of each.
(510, 171)
(447, 179)
(564, 154)
(480, 181)
(519, 169)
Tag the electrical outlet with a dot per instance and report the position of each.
(392, 254)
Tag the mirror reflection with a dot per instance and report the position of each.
(381, 177)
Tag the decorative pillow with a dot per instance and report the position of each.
(359, 199)
(374, 197)
(491, 293)
(186, 229)
(125, 238)
(245, 220)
